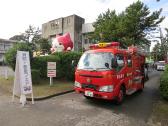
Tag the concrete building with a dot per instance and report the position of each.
(60, 26)
(87, 31)
(5, 45)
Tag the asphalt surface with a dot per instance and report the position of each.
(74, 110)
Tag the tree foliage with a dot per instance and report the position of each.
(10, 55)
(129, 26)
(20, 37)
(160, 49)
(44, 44)
(31, 35)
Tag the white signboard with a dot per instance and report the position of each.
(51, 73)
(51, 65)
(22, 80)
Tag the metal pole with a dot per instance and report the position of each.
(6, 74)
(51, 81)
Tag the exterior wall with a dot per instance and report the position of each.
(78, 32)
(52, 28)
(87, 29)
(5, 45)
(71, 24)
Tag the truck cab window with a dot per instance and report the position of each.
(120, 61)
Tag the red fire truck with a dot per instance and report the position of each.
(108, 72)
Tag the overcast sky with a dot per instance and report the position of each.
(17, 15)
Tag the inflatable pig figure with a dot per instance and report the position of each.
(62, 43)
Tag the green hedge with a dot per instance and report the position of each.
(40, 63)
(164, 84)
(65, 69)
(35, 76)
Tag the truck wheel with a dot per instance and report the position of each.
(142, 84)
(87, 97)
(121, 96)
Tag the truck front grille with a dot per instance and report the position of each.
(89, 86)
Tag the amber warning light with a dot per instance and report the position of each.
(105, 45)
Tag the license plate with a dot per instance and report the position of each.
(89, 93)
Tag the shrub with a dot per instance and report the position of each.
(64, 69)
(35, 76)
(164, 84)
(10, 56)
(40, 63)
(67, 67)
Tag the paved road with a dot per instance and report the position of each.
(74, 110)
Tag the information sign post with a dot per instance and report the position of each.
(51, 71)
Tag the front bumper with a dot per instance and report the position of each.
(160, 68)
(97, 94)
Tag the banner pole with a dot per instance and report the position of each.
(32, 98)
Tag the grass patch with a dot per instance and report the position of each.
(160, 112)
(42, 89)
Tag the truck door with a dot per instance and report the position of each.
(120, 69)
(124, 70)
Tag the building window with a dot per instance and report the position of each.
(86, 41)
(6, 47)
(68, 20)
(1, 46)
(55, 24)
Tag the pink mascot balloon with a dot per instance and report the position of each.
(62, 43)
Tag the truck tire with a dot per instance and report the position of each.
(121, 95)
(87, 97)
(143, 84)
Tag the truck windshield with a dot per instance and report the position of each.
(96, 61)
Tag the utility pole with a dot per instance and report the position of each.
(163, 44)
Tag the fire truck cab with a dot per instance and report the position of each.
(108, 72)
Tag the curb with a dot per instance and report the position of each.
(50, 96)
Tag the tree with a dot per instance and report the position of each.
(157, 52)
(106, 26)
(129, 26)
(44, 44)
(10, 55)
(160, 49)
(20, 37)
(32, 34)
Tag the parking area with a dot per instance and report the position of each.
(74, 110)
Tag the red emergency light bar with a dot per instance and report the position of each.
(105, 45)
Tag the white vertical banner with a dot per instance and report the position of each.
(22, 80)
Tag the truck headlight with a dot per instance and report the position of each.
(77, 84)
(108, 88)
